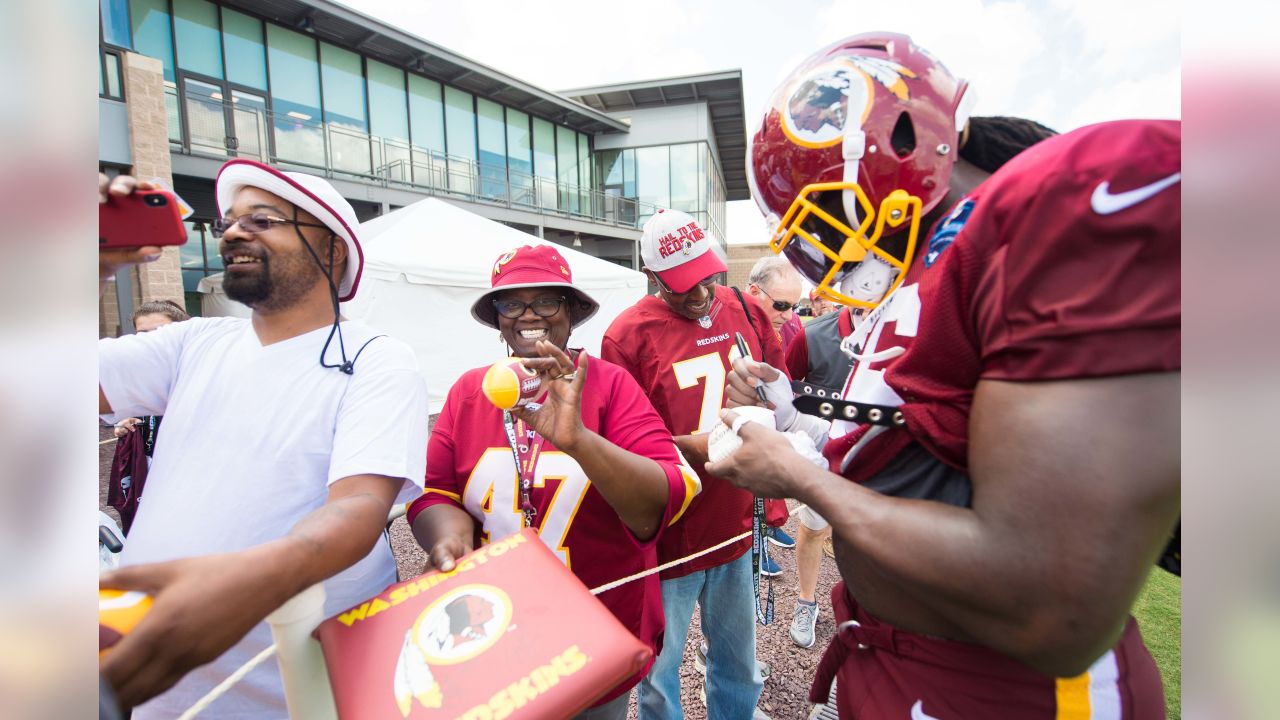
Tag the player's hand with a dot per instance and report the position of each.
(764, 462)
(202, 606)
(110, 261)
(693, 447)
(741, 389)
(559, 420)
(126, 426)
(445, 553)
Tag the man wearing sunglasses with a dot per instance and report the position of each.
(278, 471)
(677, 344)
(777, 286)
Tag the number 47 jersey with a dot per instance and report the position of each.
(470, 465)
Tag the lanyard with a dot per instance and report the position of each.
(759, 551)
(525, 446)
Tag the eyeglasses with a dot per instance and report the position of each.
(707, 282)
(254, 223)
(779, 305)
(542, 307)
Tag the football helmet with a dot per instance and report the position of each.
(855, 147)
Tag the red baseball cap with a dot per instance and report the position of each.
(533, 266)
(676, 249)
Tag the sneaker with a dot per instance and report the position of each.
(700, 661)
(769, 567)
(803, 622)
(781, 539)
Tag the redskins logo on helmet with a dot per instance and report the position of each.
(854, 148)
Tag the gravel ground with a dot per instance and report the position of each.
(792, 668)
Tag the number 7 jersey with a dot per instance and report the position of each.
(683, 364)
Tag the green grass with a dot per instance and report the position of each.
(1159, 614)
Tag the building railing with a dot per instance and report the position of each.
(220, 128)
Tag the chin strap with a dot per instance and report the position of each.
(347, 367)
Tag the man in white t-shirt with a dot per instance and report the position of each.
(288, 437)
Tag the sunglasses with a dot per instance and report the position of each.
(707, 282)
(542, 307)
(779, 305)
(254, 223)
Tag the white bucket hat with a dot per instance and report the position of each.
(308, 192)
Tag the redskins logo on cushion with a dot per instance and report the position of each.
(458, 626)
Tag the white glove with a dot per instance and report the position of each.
(724, 439)
(778, 392)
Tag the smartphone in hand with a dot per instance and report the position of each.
(141, 218)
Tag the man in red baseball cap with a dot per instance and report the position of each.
(678, 345)
(276, 471)
(598, 474)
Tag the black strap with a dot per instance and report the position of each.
(826, 403)
(743, 302)
(759, 548)
(760, 553)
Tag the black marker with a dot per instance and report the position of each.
(746, 355)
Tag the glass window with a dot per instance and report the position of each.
(460, 138)
(206, 117)
(653, 179)
(115, 22)
(426, 123)
(195, 25)
(544, 162)
(584, 174)
(152, 32)
(342, 78)
(567, 168)
(246, 56)
(389, 121)
(684, 177)
(629, 173)
(295, 97)
(519, 157)
(113, 75)
(492, 139)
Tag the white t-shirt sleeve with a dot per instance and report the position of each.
(136, 372)
(382, 421)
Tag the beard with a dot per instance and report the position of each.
(273, 286)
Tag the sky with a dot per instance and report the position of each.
(1065, 63)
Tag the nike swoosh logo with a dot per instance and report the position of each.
(1104, 202)
(918, 713)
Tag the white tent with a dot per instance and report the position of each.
(425, 264)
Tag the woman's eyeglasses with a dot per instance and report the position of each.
(779, 305)
(254, 223)
(542, 307)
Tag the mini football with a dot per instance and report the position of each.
(119, 611)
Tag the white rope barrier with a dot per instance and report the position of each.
(227, 684)
(245, 669)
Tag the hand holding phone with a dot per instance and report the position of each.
(142, 218)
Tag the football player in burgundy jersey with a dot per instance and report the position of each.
(678, 345)
(599, 475)
(1013, 440)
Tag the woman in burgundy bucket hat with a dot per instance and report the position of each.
(599, 475)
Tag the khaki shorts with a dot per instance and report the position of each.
(812, 520)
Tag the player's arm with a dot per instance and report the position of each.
(204, 605)
(1075, 488)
